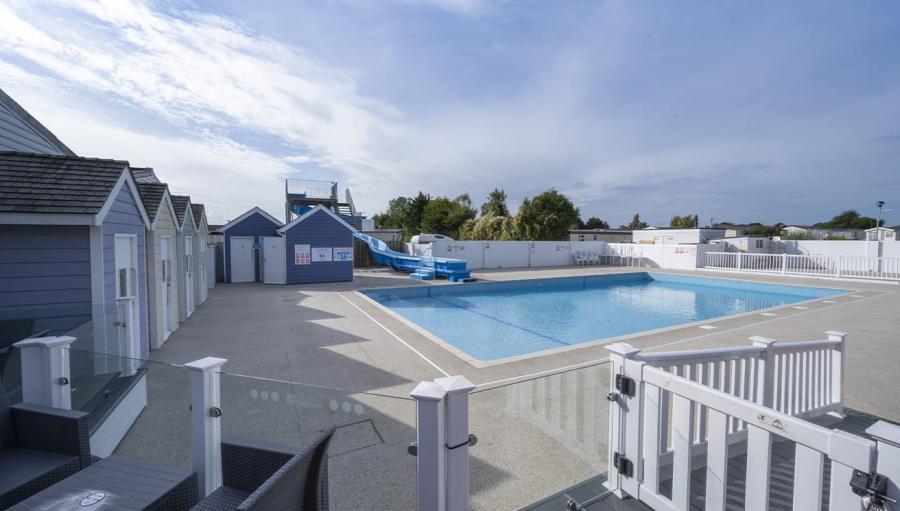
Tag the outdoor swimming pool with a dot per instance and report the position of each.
(495, 320)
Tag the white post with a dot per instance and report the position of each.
(431, 490)
(619, 416)
(45, 371)
(840, 263)
(765, 384)
(206, 429)
(457, 440)
(783, 264)
(887, 438)
(739, 260)
(837, 367)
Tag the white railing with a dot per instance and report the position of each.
(883, 268)
(672, 407)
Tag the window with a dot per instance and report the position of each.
(581, 237)
(759, 243)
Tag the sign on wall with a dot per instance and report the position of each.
(301, 254)
(343, 253)
(321, 254)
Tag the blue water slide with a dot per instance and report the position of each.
(421, 267)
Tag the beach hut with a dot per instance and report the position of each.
(201, 246)
(186, 246)
(318, 247)
(242, 244)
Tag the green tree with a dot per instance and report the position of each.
(595, 223)
(685, 222)
(446, 216)
(758, 229)
(496, 204)
(849, 219)
(636, 223)
(548, 216)
(404, 213)
(490, 227)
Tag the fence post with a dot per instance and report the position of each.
(840, 264)
(837, 367)
(739, 260)
(431, 490)
(887, 439)
(45, 371)
(206, 428)
(457, 440)
(783, 264)
(765, 388)
(621, 416)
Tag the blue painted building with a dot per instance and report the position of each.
(318, 248)
(242, 243)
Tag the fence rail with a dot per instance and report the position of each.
(881, 268)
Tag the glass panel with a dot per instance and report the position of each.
(538, 438)
(123, 283)
(369, 466)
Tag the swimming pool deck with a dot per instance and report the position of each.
(330, 335)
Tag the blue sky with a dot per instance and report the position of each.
(778, 111)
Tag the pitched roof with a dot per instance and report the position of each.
(181, 203)
(312, 212)
(144, 175)
(38, 183)
(249, 213)
(197, 210)
(19, 131)
(151, 195)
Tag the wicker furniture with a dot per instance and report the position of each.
(258, 476)
(39, 446)
(119, 484)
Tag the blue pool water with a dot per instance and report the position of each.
(494, 320)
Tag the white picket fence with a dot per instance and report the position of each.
(671, 407)
(881, 268)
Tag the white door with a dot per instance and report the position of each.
(127, 301)
(242, 259)
(202, 271)
(273, 260)
(189, 273)
(165, 254)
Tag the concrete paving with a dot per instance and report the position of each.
(304, 357)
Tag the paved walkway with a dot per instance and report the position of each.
(538, 434)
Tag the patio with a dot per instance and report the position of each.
(302, 357)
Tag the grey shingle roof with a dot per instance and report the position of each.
(180, 203)
(151, 195)
(37, 183)
(197, 210)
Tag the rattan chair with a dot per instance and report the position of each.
(39, 446)
(258, 476)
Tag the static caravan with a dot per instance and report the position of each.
(162, 261)
(243, 242)
(73, 254)
(186, 247)
(201, 246)
(316, 247)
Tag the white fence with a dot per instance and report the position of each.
(882, 268)
(671, 407)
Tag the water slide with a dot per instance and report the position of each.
(420, 267)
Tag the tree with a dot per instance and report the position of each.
(636, 223)
(496, 204)
(548, 216)
(849, 219)
(595, 223)
(490, 227)
(685, 222)
(404, 213)
(758, 229)
(445, 216)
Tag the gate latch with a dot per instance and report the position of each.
(872, 487)
(625, 385)
(623, 465)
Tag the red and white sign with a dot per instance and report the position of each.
(301, 254)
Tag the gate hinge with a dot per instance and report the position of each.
(625, 385)
(623, 465)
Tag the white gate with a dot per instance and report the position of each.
(670, 410)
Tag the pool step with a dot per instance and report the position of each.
(423, 274)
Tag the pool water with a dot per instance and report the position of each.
(495, 320)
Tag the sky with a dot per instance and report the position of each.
(734, 111)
